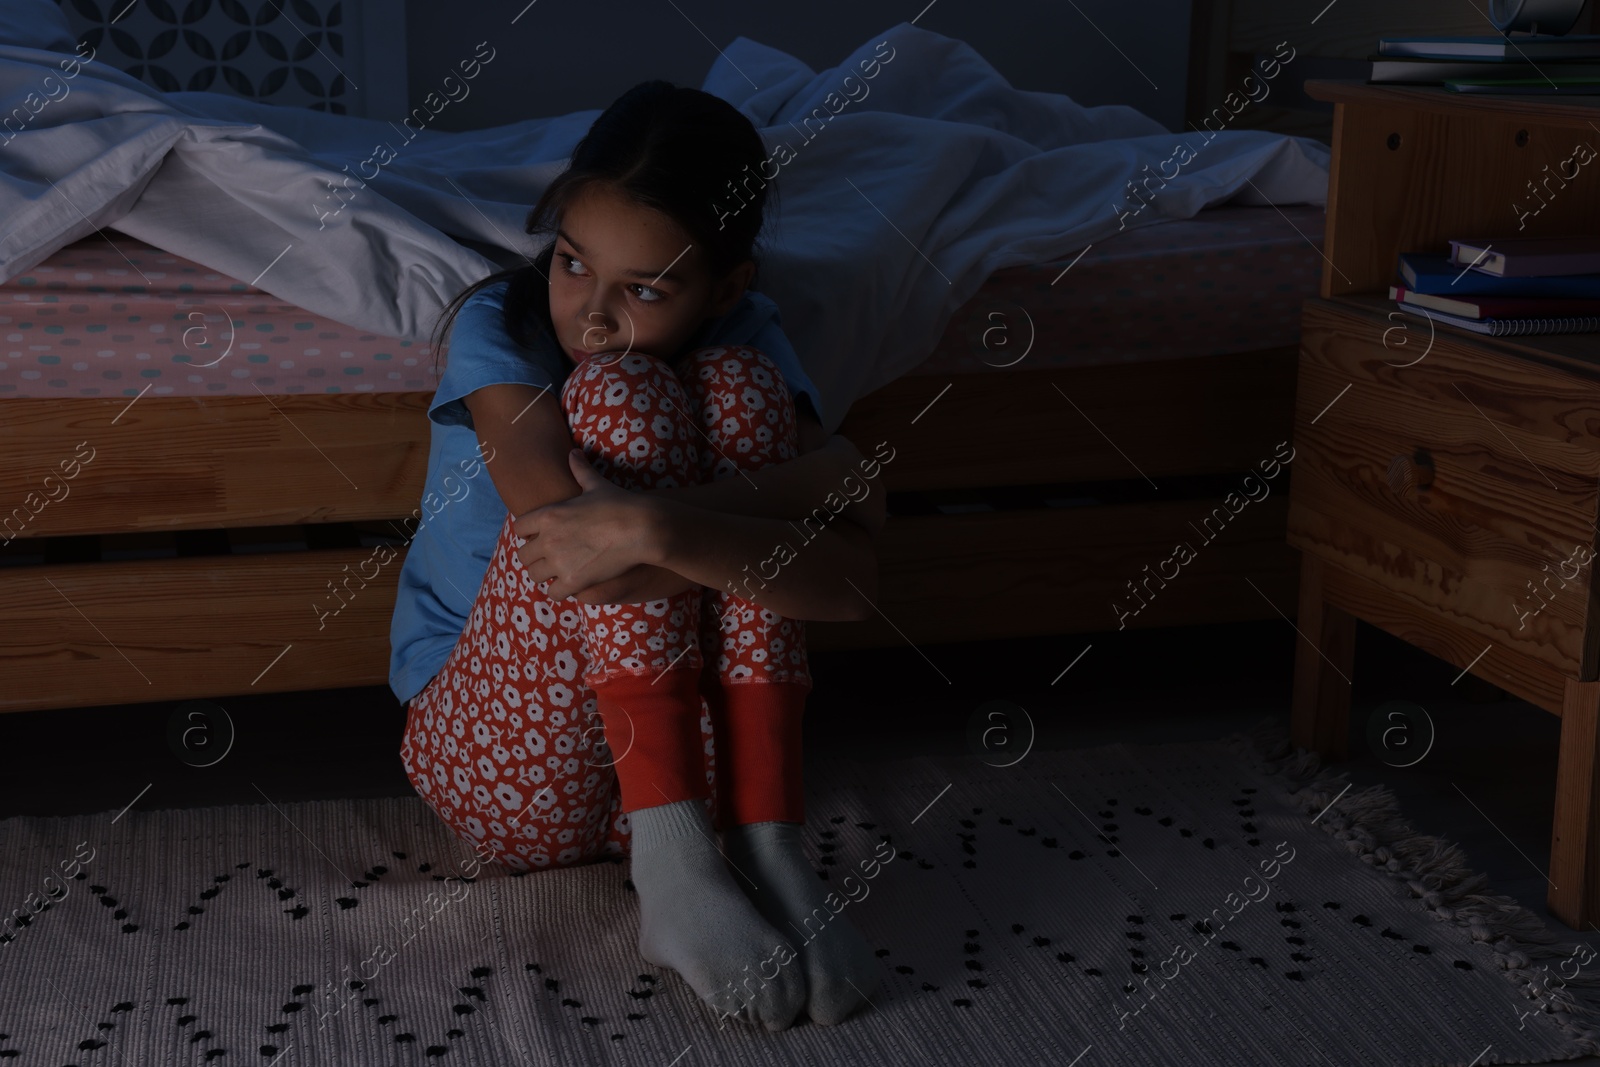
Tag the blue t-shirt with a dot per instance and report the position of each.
(461, 512)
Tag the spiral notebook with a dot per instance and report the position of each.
(1511, 327)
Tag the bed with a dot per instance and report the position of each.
(206, 488)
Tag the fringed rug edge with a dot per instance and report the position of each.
(1369, 823)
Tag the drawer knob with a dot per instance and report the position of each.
(1411, 472)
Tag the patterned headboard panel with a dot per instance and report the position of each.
(341, 56)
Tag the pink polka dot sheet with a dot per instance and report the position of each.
(112, 316)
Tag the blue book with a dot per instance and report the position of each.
(1436, 274)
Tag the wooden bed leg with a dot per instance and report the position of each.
(1572, 894)
(1323, 660)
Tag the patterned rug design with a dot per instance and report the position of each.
(1221, 903)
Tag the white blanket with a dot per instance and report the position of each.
(903, 192)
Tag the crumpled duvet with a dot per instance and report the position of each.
(906, 175)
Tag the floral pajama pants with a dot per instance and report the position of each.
(505, 742)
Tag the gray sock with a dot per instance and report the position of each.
(841, 970)
(695, 920)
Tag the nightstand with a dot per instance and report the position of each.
(1445, 483)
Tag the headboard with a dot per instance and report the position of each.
(1231, 39)
(344, 56)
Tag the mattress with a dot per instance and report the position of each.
(1230, 279)
(112, 316)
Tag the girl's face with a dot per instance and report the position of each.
(626, 277)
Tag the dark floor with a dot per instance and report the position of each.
(1486, 784)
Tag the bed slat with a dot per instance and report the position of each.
(1080, 424)
(80, 635)
(207, 462)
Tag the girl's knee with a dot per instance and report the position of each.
(617, 379)
(725, 368)
(745, 408)
(629, 412)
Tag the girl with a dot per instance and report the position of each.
(620, 681)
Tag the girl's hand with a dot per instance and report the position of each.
(591, 538)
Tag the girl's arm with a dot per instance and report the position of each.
(526, 433)
(529, 428)
(797, 487)
(793, 571)
(824, 570)
(830, 480)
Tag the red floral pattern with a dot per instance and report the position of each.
(506, 743)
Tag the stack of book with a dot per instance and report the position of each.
(1530, 64)
(1502, 287)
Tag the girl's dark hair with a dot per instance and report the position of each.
(684, 152)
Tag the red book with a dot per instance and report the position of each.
(1497, 307)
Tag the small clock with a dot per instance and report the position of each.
(1535, 16)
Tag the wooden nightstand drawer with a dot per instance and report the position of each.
(1463, 482)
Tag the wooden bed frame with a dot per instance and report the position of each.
(126, 631)
(979, 546)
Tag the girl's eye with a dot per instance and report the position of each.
(573, 266)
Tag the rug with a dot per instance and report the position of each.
(1218, 903)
